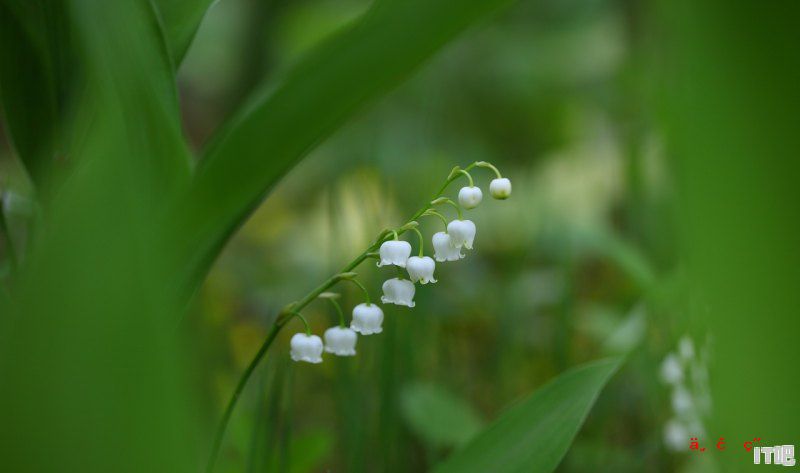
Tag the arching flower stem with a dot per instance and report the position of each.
(445, 200)
(305, 322)
(421, 241)
(294, 307)
(436, 213)
(469, 177)
(487, 165)
(338, 311)
(363, 289)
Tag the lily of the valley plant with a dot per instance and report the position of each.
(389, 250)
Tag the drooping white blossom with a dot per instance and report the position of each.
(676, 436)
(394, 252)
(443, 249)
(682, 401)
(500, 188)
(367, 319)
(340, 341)
(420, 269)
(470, 197)
(462, 233)
(671, 370)
(398, 291)
(306, 348)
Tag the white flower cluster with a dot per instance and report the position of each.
(686, 373)
(447, 245)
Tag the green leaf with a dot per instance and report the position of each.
(180, 20)
(40, 66)
(441, 418)
(272, 132)
(534, 435)
(141, 83)
(31, 79)
(89, 315)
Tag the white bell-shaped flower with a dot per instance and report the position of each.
(443, 249)
(398, 291)
(470, 197)
(500, 188)
(462, 233)
(306, 348)
(420, 268)
(367, 319)
(671, 370)
(676, 435)
(340, 341)
(394, 252)
(682, 401)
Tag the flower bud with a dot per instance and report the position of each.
(398, 291)
(421, 269)
(394, 252)
(470, 197)
(367, 319)
(462, 233)
(500, 188)
(443, 249)
(340, 341)
(306, 348)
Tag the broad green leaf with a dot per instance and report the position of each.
(144, 89)
(273, 131)
(180, 20)
(88, 354)
(440, 417)
(534, 435)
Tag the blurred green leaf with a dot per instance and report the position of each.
(38, 64)
(441, 418)
(28, 78)
(89, 316)
(535, 434)
(180, 20)
(143, 86)
(730, 99)
(273, 131)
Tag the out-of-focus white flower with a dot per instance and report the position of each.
(394, 252)
(367, 319)
(671, 370)
(681, 400)
(462, 233)
(676, 437)
(306, 348)
(421, 269)
(398, 291)
(500, 188)
(443, 249)
(340, 341)
(470, 197)
(686, 348)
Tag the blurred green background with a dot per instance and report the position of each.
(652, 148)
